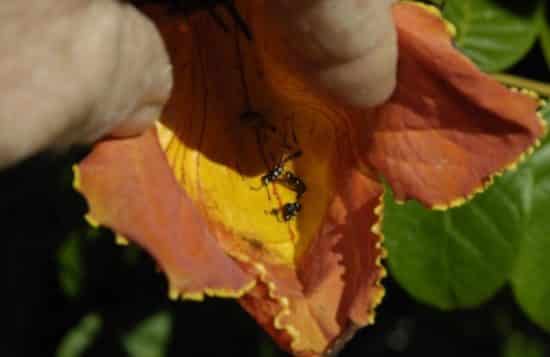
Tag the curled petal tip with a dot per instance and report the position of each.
(120, 240)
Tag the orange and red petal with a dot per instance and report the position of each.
(314, 308)
(448, 127)
(131, 189)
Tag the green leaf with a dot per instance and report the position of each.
(457, 258)
(521, 345)
(494, 34)
(545, 34)
(151, 337)
(530, 281)
(80, 337)
(69, 260)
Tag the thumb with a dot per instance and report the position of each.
(74, 71)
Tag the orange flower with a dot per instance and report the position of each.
(191, 192)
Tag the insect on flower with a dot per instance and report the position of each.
(288, 211)
(290, 180)
(295, 183)
(278, 170)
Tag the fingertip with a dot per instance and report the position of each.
(366, 81)
(145, 80)
(138, 122)
(371, 95)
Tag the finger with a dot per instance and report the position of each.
(349, 47)
(141, 82)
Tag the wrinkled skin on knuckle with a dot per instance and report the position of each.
(65, 73)
(348, 46)
(143, 79)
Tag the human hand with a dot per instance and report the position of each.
(73, 71)
(349, 47)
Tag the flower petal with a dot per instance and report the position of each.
(130, 188)
(317, 307)
(318, 274)
(448, 127)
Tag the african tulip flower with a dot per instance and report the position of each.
(191, 193)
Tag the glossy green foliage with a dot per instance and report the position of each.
(530, 280)
(457, 258)
(494, 34)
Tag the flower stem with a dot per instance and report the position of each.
(520, 82)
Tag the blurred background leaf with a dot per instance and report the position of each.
(545, 32)
(70, 269)
(519, 344)
(80, 337)
(150, 338)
